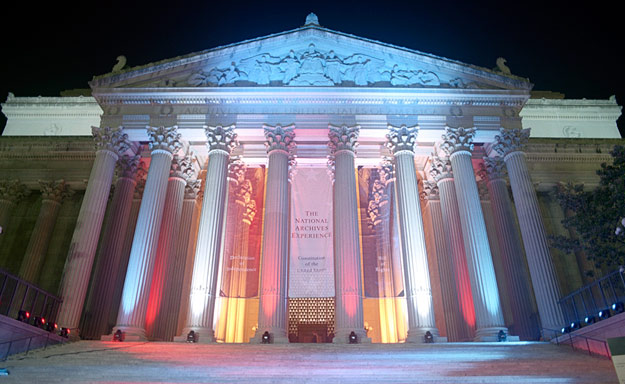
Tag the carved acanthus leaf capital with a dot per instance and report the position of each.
(440, 168)
(13, 190)
(221, 138)
(280, 138)
(492, 168)
(401, 138)
(430, 190)
(343, 138)
(511, 140)
(457, 139)
(192, 189)
(128, 165)
(55, 190)
(182, 167)
(110, 139)
(165, 138)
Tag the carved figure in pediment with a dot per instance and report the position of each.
(261, 73)
(409, 77)
(333, 67)
(312, 61)
(290, 66)
(230, 75)
(363, 69)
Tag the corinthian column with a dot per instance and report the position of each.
(11, 192)
(441, 172)
(110, 144)
(509, 144)
(272, 310)
(160, 308)
(347, 269)
(99, 304)
(401, 141)
(458, 144)
(220, 142)
(164, 142)
(52, 194)
(516, 278)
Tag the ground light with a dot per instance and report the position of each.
(51, 327)
(604, 314)
(618, 307)
(353, 339)
(266, 338)
(575, 325)
(64, 332)
(118, 336)
(590, 320)
(191, 337)
(428, 337)
(566, 329)
(39, 322)
(23, 316)
(501, 336)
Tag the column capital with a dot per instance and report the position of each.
(182, 167)
(164, 138)
(343, 138)
(492, 168)
(192, 189)
(430, 190)
(13, 190)
(55, 190)
(440, 168)
(510, 140)
(280, 138)
(457, 139)
(128, 165)
(221, 137)
(111, 139)
(402, 138)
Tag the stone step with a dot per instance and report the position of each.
(496, 363)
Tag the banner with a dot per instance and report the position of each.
(311, 267)
(244, 223)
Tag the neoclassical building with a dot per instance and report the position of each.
(309, 185)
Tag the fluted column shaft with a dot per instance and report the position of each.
(534, 236)
(39, 240)
(489, 317)
(517, 281)
(160, 291)
(416, 273)
(453, 322)
(134, 302)
(108, 265)
(204, 280)
(347, 268)
(272, 311)
(186, 251)
(460, 274)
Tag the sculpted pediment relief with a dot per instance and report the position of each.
(310, 56)
(317, 67)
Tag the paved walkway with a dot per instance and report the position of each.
(493, 363)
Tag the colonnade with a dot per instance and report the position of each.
(156, 266)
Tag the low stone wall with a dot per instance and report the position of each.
(17, 337)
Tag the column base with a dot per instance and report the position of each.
(341, 336)
(130, 334)
(492, 334)
(276, 336)
(418, 336)
(203, 335)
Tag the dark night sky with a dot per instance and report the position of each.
(558, 46)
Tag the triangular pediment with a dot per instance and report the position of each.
(310, 56)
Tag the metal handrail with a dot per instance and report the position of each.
(27, 296)
(30, 340)
(571, 336)
(584, 301)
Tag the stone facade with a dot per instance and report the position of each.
(276, 106)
